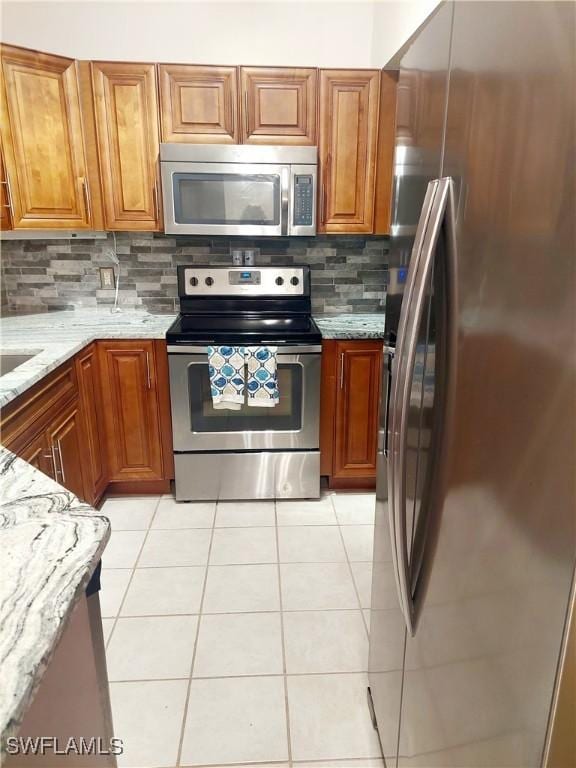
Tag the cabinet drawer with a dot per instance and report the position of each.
(32, 411)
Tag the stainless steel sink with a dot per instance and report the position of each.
(11, 360)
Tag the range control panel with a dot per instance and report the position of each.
(303, 200)
(238, 281)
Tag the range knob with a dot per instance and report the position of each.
(279, 280)
(193, 281)
(294, 280)
(209, 280)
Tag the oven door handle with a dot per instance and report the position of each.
(303, 349)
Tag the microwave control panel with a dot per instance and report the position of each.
(303, 200)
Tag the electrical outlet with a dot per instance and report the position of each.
(107, 278)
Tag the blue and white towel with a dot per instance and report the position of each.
(262, 383)
(226, 368)
(228, 381)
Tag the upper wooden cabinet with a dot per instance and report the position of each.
(278, 105)
(42, 141)
(349, 101)
(385, 156)
(198, 104)
(126, 109)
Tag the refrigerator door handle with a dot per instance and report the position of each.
(413, 317)
(396, 363)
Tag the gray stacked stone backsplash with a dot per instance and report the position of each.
(349, 273)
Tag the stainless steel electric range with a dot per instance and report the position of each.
(250, 453)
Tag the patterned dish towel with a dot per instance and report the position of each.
(227, 378)
(262, 376)
(226, 368)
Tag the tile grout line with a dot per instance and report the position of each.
(234, 613)
(190, 677)
(246, 676)
(133, 571)
(350, 569)
(285, 678)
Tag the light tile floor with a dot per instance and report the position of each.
(237, 633)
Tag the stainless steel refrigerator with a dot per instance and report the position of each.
(476, 505)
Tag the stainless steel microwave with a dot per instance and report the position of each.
(220, 189)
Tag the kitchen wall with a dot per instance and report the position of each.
(349, 274)
(358, 33)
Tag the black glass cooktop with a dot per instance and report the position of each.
(243, 329)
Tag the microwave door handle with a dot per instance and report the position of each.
(284, 199)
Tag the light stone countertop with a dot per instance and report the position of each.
(51, 543)
(352, 326)
(58, 336)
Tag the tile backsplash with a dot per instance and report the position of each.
(349, 273)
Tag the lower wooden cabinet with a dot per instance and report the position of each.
(95, 464)
(37, 453)
(133, 414)
(65, 443)
(102, 418)
(349, 420)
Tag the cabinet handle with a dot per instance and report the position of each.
(148, 377)
(341, 370)
(51, 457)
(87, 201)
(324, 188)
(322, 201)
(8, 195)
(156, 204)
(59, 447)
(54, 463)
(246, 113)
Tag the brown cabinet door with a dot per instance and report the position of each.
(5, 219)
(65, 441)
(348, 138)
(198, 104)
(357, 402)
(278, 105)
(38, 454)
(131, 410)
(42, 140)
(126, 110)
(94, 445)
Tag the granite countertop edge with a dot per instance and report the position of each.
(353, 326)
(44, 530)
(55, 337)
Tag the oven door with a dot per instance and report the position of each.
(293, 424)
(225, 198)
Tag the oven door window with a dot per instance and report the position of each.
(227, 198)
(286, 416)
